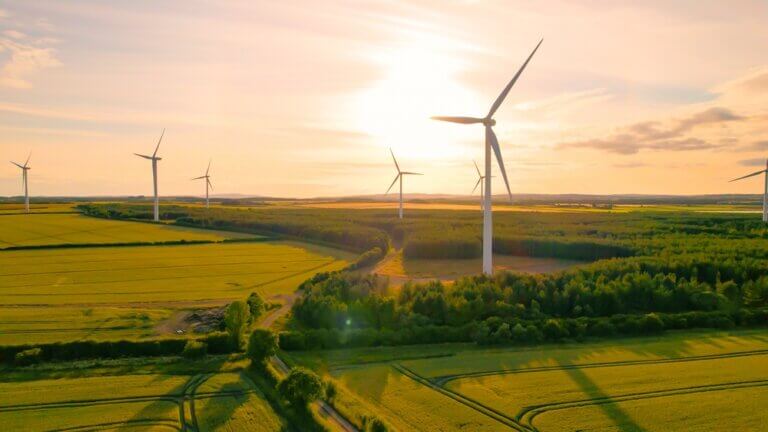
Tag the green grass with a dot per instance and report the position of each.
(662, 383)
(56, 229)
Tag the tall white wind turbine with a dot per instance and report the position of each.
(491, 143)
(207, 182)
(154, 160)
(399, 176)
(765, 190)
(24, 181)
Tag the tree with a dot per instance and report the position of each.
(256, 305)
(262, 345)
(236, 319)
(301, 386)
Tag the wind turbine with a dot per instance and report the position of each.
(399, 176)
(154, 160)
(207, 182)
(491, 143)
(765, 190)
(24, 177)
(480, 178)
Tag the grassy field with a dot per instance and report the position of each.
(56, 229)
(676, 382)
(226, 401)
(18, 208)
(64, 294)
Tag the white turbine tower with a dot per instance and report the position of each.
(480, 178)
(765, 190)
(154, 160)
(24, 181)
(207, 182)
(491, 143)
(399, 176)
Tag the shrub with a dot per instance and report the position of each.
(195, 349)
(256, 306)
(301, 387)
(651, 323)
(262, 345)
(28, 357)
(219, 343)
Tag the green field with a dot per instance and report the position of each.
(63, 294)
(57, 229)
(684, 381)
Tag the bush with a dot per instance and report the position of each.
(195, 349)
(262, 345)
(652, 323)
(28, 357)
(219, 343)
(301, 387)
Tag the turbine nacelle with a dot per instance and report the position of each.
(489, 122)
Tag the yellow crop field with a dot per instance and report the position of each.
(121, 292)
(56, 229)
(642, 384)
(210, 402)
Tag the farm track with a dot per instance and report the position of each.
(523, 421)
(185, 398)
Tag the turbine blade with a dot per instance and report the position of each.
(393, 183)
(17, 164)
(477, 184)
(410, 173)
(144, 156)
(462, 120)
(158, 143)
(393, 158)
(198, 178)
(478, 170)
(209, 183)
(491, 137)
(209, 167)
(27, 162)
(748, 175)
(503, 94)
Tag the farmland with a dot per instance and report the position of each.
(104, 292)
(619, 385)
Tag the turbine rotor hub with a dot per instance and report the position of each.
(489, 122)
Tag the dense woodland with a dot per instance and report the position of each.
(651, 271)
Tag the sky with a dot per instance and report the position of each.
(304, 98)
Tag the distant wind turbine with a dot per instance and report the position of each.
(480, 178)
(399, 176)
(24, 180)
(207, 182)
(154, 160)
(765, 190)
(491, 143)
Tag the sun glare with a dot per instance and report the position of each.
(421, 79)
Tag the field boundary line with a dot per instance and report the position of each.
(98, 426)
(487, 411)
(444, 379)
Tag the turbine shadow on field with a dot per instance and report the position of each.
(623, 421)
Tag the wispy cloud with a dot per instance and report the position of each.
(23, 58)
(654, 135)
(756, 162)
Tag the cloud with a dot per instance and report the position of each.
(756, 146)
(756, 162)
(654, 135)
(24, 60)
(14, 34)
(630, 165)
